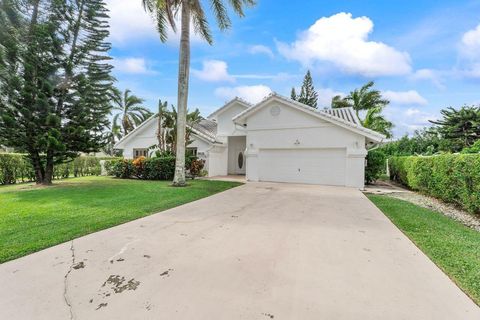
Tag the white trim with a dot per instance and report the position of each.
(198, 133)
(226, 106)
(134, 131)
(357, 128)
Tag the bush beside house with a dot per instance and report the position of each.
(453, 178)
(157, 168)
(376, 160)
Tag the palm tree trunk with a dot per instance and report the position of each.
(183, 76)
(160, 133)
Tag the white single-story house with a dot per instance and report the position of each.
(277, 140)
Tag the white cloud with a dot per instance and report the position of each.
(470, 44)
(470, 53)
(130, 22)
(343, 41)
(405, 97)
(429, 75)
(409, 120)
(261, 49)
(131, 65)
(325, 96)
(213, 70)
(252, 94)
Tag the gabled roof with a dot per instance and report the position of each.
(205, 129)
(344, 117)
(134, 131)
(228, 105)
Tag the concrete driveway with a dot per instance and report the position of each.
(260, 251)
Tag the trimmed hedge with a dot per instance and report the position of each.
(376, 160)
(15, 167)
(454, 178)
(157, 168)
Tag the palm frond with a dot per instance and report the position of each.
(200, 22)
(221, 14)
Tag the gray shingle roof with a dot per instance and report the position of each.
(207, 127)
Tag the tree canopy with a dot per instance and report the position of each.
(370, 101)
(307, 95)
(461, 127)
(55, 82)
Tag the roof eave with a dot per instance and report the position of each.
(227, 105)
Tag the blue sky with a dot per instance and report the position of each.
(423, 55)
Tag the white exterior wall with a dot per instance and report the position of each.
(292, 129)
(218, 161)
(218, 155)
(144, 137)
(225, 125)
(202, 149)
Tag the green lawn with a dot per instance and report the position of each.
(34, 218)
(452, 246)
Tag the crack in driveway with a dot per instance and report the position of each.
(65, 281)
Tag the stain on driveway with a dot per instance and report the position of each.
(259, 251)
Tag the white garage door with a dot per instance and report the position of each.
(314, 166)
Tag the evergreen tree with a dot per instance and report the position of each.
(55, 79)
(308, 95)
(461, 127)
(293, 94)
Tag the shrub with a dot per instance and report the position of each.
(158, 168)
(453, 178)
(120, 168)
(162, 168)
(16, 167)
(376, 161)
(475, 148)
(196, 167)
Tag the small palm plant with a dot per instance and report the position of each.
(131, 114)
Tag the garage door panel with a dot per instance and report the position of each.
(315, 166)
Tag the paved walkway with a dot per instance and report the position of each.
(259, 251)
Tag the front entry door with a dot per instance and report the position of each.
(239, 160)
(236, 155)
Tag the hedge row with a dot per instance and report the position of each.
(158, 168)
(453, 178)
(15, 167)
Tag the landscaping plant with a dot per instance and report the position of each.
(453, 178)
(55, 81)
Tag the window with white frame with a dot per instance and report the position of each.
(140, 152)
(192, 151)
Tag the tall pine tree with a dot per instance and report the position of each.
(55, 79)
(307, 95)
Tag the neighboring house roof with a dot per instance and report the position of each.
(205, 129)
(228, 105)
(344, 117)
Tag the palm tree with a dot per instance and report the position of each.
(169, 128)
(370, 100)
(361, 99)
(164, 13)
(376, 121)
(131, 112)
